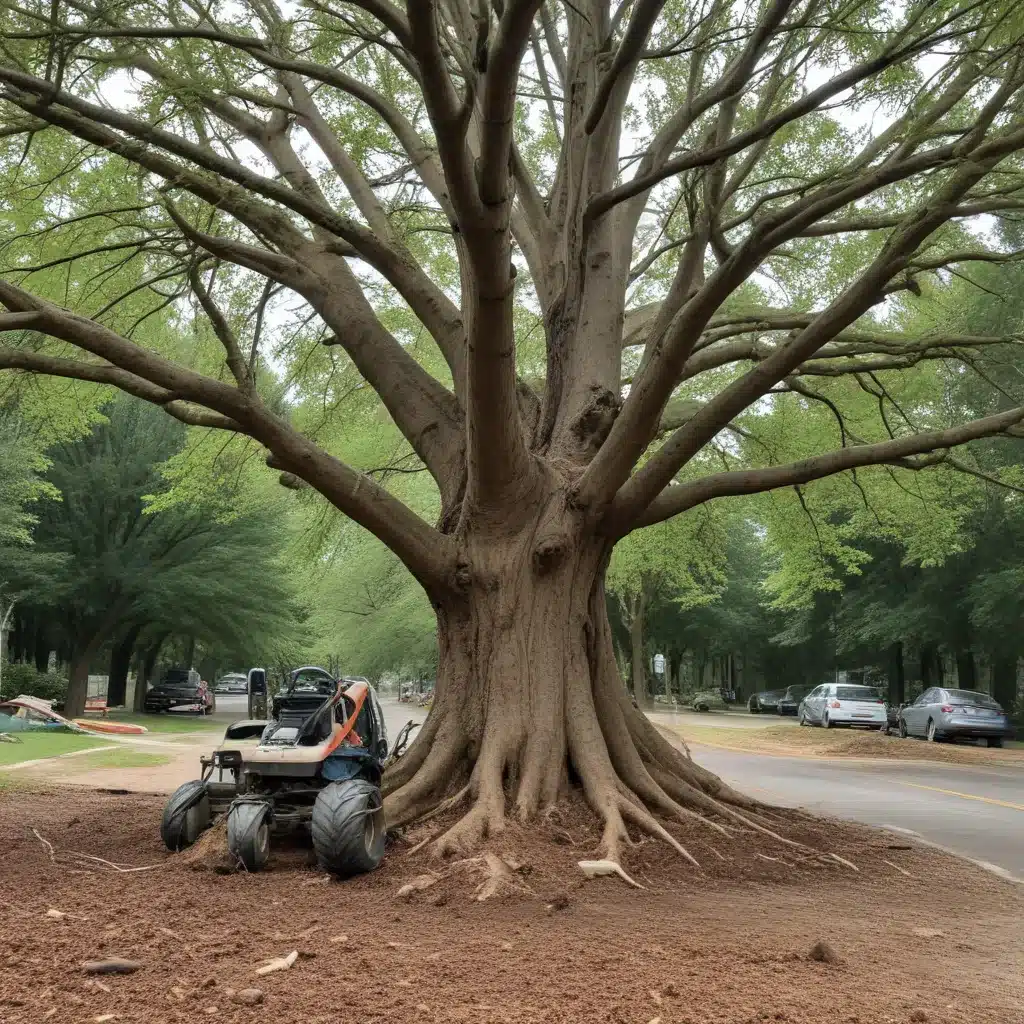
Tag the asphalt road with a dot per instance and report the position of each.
(974, 812)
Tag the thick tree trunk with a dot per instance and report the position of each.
(529, 702)
(120, 662)
(78, 682)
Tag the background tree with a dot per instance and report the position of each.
(127, 568)
(568, 301)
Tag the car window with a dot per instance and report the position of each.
(856, 693)
(971, 697)
(927, 697)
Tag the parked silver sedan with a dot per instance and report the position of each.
(834, 704)
(940, 714)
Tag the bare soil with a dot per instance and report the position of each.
(813, 742)
(730, 944)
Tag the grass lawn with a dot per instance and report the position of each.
(45, 744)
(164, 723)
(124, 757)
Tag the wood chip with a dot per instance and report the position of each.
(112, 966)
(280, 964)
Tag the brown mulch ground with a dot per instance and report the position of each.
(728, 946)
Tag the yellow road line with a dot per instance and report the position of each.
(965, 796)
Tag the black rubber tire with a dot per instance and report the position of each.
(826, 722)
(903, 730)
(995, 741)
(930, 734)
(249, 833)
(348, 827)
(186, 815)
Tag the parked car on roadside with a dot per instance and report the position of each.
(233, 682)
(708, 700)
(789, 702)
(763, 702)
(941, 714)
(833, 704)
(181, 689)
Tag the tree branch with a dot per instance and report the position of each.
(680, 497)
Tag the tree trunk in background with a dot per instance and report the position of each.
(190, 652)
(1004, 680)
(120, 662)
(638, 672)
(78, 680)
(967, 678)
(41, 648)
(147, 663)
(897, 678)
(928, 676)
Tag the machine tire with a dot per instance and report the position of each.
(249, 833)
(186, 815)
(348, 827)
(995, 741)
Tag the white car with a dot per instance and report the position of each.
(834, 704)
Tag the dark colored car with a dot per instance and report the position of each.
(181, 689)
(945, 714)
(789, 702)
(764, 702)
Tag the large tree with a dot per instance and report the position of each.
(626, 227)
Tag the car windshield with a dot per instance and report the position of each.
(856, 693)
(972, 697)
(795, 692)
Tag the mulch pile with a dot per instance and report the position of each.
(731, 944)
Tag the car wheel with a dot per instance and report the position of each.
(186, 815)
(826, 722)
(931, 735)
(249, 834)
(995, 741)
(803, 719)
(348, 827)
(903, 730)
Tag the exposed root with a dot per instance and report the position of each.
(599, 868)
(496, 877)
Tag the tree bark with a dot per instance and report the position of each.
(529, 700)
(897, 679)
(78, 681)
(120, 662)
